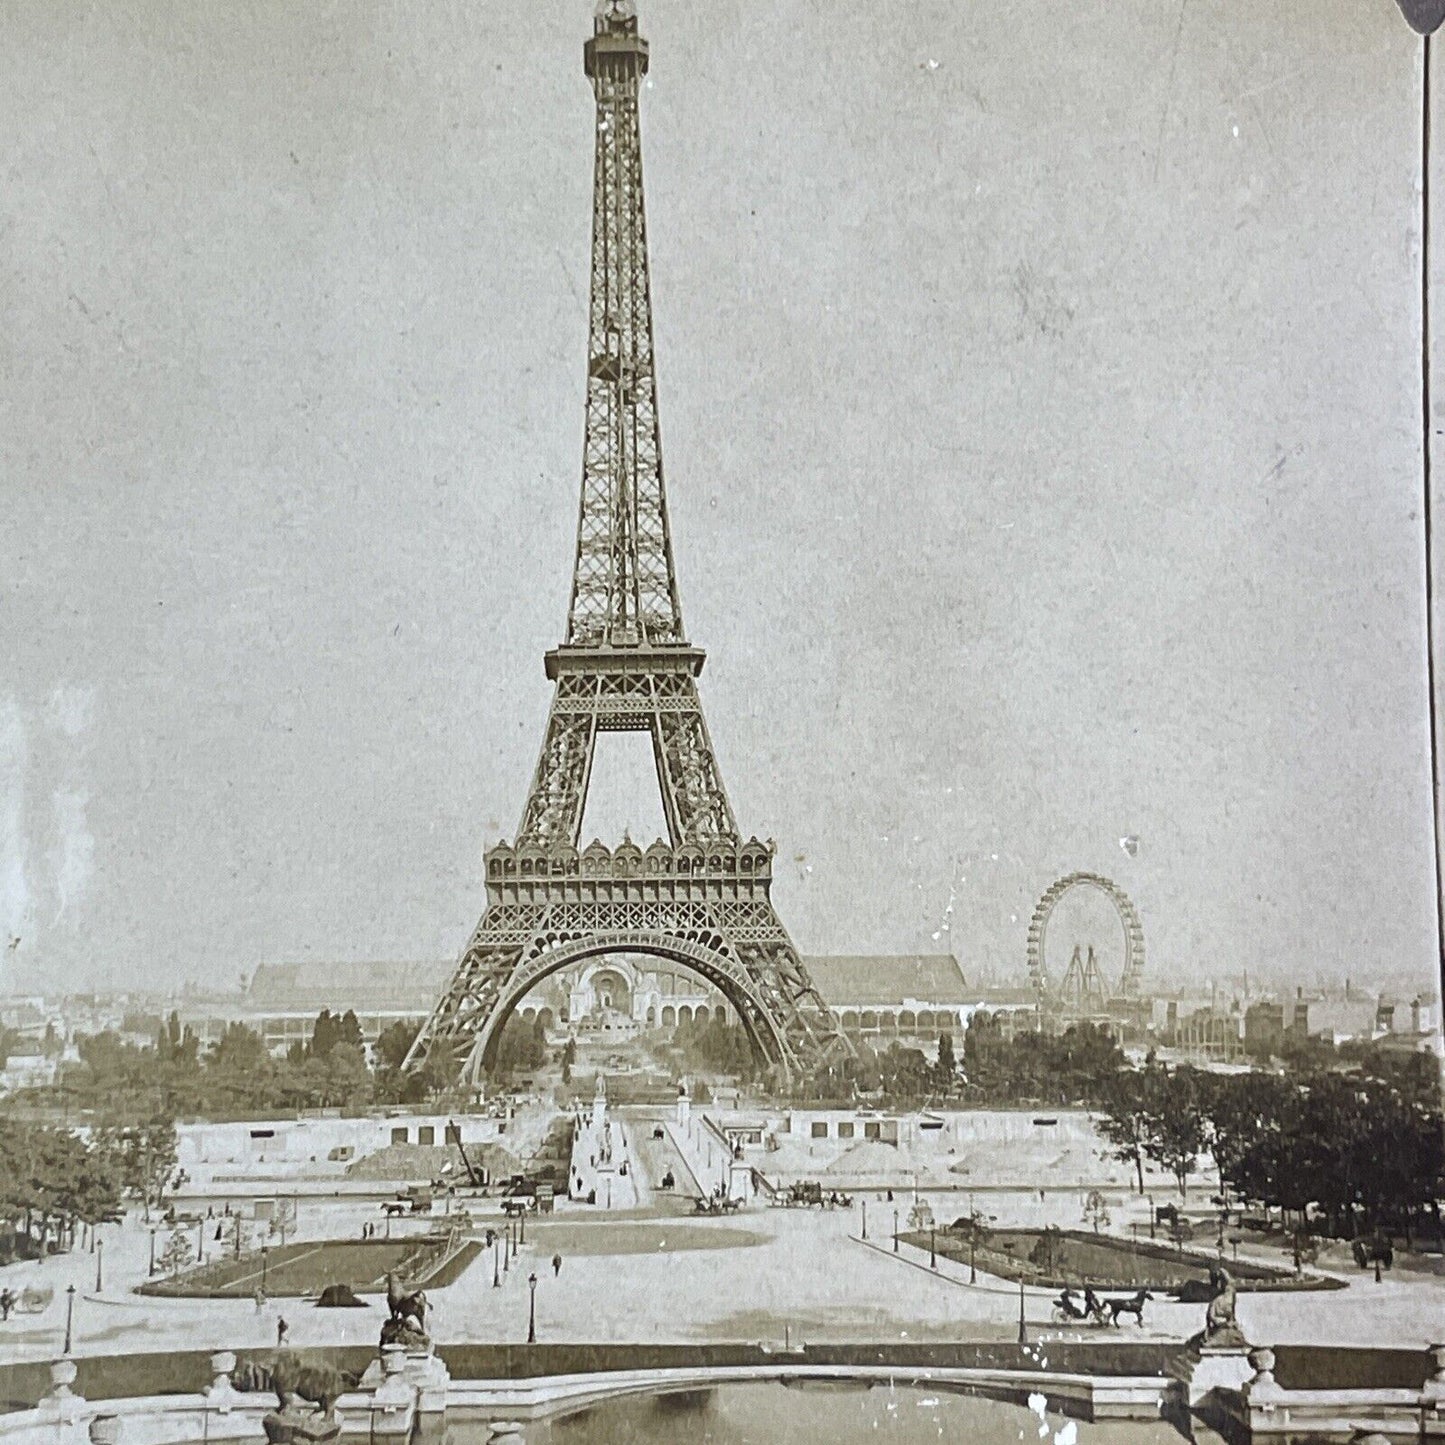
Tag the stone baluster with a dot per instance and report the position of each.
(1435, 1381)
(61, 1401)
(221, 1393)
(1261, 1385)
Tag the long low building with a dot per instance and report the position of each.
(876, 999)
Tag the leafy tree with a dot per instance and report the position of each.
(395, 1041)
(1176, 1127)
(523, 1045)
(239, 1050)
(1238, 1110)
(713, 1046)
(347, 1079)
(946, 1066)
(177, 1045)
(176, 1253)
(1130, 1101)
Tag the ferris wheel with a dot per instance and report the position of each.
(1084, 977)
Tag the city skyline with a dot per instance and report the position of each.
(294, 482)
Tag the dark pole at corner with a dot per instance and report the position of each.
(532, 1310)
(1023, 1326)
(1427, 463)
(69, 1315)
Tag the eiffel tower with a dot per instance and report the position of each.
(702, 898)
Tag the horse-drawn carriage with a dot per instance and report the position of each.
(1096, 1310)
(803, 1193)
(715, 1204)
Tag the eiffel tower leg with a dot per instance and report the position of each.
(559, 787)
(793, 1008)
(697, 805)
(454, 1035)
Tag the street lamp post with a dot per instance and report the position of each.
(200, 1241)
(932, 1249)
(69, 1313)
(865, 1219)
(99, 1257)
(496, 1260)
(972, 1267)
(507, 1248)
(264, 1253)
(532, 1310)
(895, 1231)
(522, 1227)
(1023, 1328)
(152, 1268)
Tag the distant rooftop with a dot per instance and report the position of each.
(856, 980)
(860, 980)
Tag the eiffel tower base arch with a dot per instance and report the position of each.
(707, 911)
(712, 964)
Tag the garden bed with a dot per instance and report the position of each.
(305, 1267)
(1052, 1259)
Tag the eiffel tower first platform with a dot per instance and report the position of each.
(701, 899)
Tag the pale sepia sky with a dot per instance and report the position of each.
(1040, 405)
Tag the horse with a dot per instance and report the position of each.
(1134, 1305)
(405, 1306)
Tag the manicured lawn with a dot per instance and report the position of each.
(1097, 1259)
(308, 1266)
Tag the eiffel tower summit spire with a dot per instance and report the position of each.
(702, 897)
(624, 589)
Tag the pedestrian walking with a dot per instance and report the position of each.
(281, 1328)
(556, 1265)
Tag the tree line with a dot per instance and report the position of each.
(54, 1180)
(1349, 1150)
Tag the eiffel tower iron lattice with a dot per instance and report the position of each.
(702, 898)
